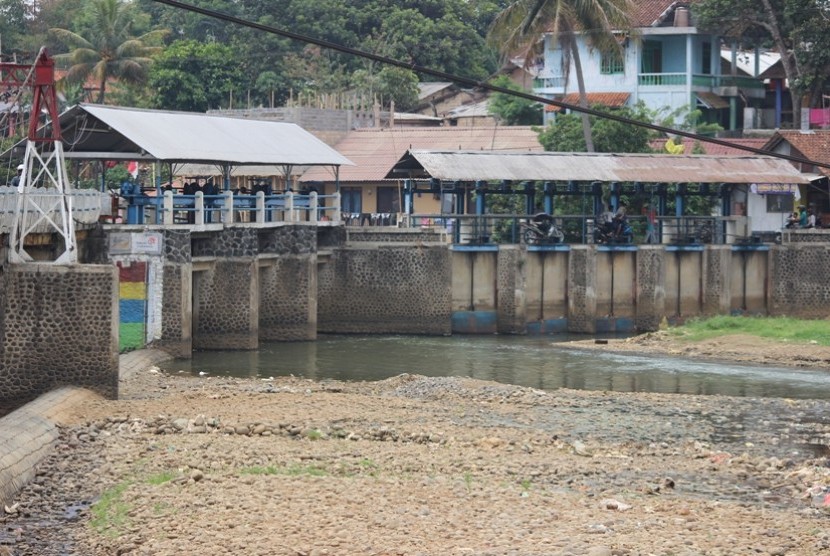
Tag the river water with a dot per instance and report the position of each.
(533, 361)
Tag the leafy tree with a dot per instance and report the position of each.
(13, 22)
(798, 29)
(110, 49)
(518, 28)
(512, 110)
(440, 34)
(398, 85)
(564, 134)
(194, 76)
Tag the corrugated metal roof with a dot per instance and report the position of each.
(647, 168)
(429, 88)
(659, 145)
(375, 151)
(190, 137)
(711, 100)
(474, 110)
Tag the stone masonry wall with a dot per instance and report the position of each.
(511, 283)
(226, 312)
(651, 290)
(288, 298)
(386, 290)
(800, 278)
(582, 290)
(716, 279)
(59, 327)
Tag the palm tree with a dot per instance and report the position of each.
(517, 31)
(110, 50)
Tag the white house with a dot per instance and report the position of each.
(667, 63)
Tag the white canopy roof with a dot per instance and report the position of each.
(116, 133)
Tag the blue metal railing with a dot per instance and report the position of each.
(227, 208)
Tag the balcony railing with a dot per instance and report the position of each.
(553, 82)
(661, 79)
(492, 229)
(228, 208)
(715, 81)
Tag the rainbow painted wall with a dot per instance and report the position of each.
(132, 304)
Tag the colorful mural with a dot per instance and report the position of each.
(132, 304)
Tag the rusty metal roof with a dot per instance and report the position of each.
(554, 166)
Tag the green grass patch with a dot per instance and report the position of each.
(110, 512)
(784, 329)
(161, 478)
(258, 470)
(292, 470)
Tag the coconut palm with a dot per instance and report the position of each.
(109, 50)
(517, 31)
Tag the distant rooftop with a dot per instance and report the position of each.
(375, 151)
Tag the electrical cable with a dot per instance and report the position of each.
(480, 84)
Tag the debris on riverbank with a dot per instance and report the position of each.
(419, 465)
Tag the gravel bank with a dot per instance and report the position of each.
(415, 465)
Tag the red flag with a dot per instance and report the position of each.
(132, 168)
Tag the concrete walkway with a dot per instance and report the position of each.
(28, 434)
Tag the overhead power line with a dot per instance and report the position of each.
(457, 79)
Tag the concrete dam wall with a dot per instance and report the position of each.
(232, 288)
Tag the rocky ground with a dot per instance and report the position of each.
(438, 466)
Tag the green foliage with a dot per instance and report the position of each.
(798, 29)
(291, 470)
(194, 76)
(13, 26)
(511, 110)
(777, 328)
(442, 35)
(110, 514)
(565, 133)
(685, 119)
(161, 478)
(108, 47)
(398, 85)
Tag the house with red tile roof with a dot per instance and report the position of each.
(666, 62)
(813, 145)
(364, 188)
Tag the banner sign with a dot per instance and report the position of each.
(775, 189)
(144, 243)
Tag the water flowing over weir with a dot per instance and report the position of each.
(525, 361)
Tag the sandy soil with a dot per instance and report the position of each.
(733, 347)
(439, 466)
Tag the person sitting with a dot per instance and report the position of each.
(802, 216)
(792, 220)
(620, 219)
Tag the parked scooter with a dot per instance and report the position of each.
(541, 229)
(607, 232)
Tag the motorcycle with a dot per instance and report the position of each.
(541, 229)
(607, 233)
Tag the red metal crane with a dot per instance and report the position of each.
(44, 204)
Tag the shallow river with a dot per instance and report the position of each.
(521, 360)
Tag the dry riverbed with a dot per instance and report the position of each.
(439, 466)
